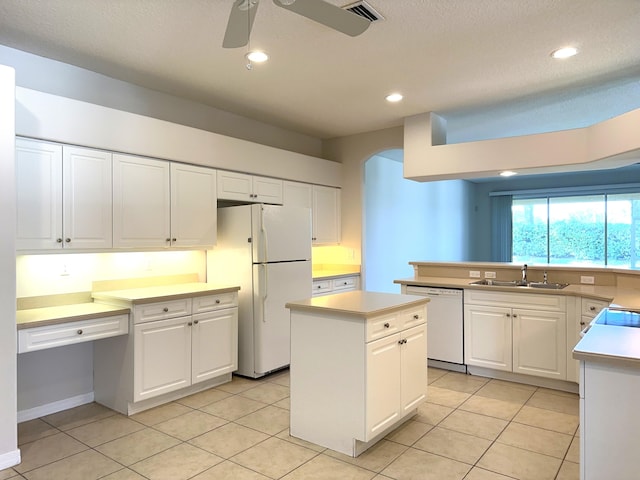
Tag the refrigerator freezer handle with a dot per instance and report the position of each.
(263, 236)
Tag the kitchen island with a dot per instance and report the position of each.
(358, 367)
(609, 357)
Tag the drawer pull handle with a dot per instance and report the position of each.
(386, 325)
(217, 301)
(165, 309)
(79, 332)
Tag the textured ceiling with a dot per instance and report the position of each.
(444, 55)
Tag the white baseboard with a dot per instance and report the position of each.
(10, 459)
(54, 407)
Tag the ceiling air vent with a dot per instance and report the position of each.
(364, 10)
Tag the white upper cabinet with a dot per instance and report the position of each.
(63, 197)
(163, 204)
(241, 187)
(141, 202)
(325, 209)
(193, 206)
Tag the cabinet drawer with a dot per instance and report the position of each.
(413, 316)
(209, 303)
(321, 286)
(592, 307)
(380, 327)
(346, 283)
(50, 336)
(149, 312)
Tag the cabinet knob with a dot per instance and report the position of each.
(386, 325)
(592, 308)
(508, 314)
(583, 324)
(173, 240)
(416, 317)
(165, 309)
(190, 323)
(167, 240)
(195, 322)
(59, 240)
(402, 341)
(217, 301)
(515, 315)
(79, 332)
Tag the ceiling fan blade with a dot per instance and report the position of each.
(240, 22)
(327, 14)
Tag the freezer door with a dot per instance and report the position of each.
(274, 285)
(281, 233)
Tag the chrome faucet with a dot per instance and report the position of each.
(524, 274)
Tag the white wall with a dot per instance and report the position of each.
(410, 221)
(9, 453)
(49, 76)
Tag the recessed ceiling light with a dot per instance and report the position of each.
(257, 56)
(394, 97)
(508, 173)
(564, 52)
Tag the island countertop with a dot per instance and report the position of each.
(358, 303)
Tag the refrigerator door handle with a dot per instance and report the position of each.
(265, 247)
(266, 287)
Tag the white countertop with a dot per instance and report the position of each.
(610, 344)
(163, 293)
(39, 317)
(358, 303)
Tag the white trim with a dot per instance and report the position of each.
(54, 407)
(10, 459)
(562, 191)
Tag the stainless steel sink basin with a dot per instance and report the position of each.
(551, 286)
(518, 283)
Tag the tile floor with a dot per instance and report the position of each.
(470, 428)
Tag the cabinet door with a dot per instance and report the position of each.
(383, 384)
(487, 337)
(540, 343)
(141, 202)
(235, 186)
(267, 190)
(296, 194)
(87, 202)
(162, 357)
(413, 368)
(193, 206)
(326, 215)
(39, 195)
(214, 344)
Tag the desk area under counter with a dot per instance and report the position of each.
(358, 367)
(335, 279)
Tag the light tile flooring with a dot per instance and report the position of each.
(470, 428)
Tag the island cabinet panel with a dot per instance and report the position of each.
(352, 379)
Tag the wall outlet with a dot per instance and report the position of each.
(474, 273)
(489, 274)
(587, 280)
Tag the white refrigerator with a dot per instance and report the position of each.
(266, 250)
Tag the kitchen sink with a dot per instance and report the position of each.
(519, 283)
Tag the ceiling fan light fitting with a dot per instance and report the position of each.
(257, 56)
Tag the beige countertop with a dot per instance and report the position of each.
(162, 293)
(610, 344)
(39, 317)
(329, 274)
(627, 298)
(358, 303)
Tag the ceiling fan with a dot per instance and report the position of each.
(243, 13)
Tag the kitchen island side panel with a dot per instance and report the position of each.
(327, 379)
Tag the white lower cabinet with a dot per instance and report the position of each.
(520, 333)
(327, 286)
(174, 346)
(374, 377)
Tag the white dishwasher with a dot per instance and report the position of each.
(445, 341)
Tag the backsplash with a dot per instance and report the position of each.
(75, 272)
